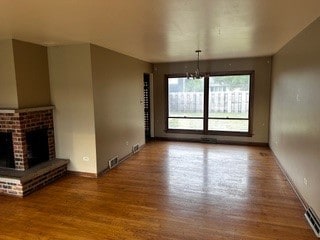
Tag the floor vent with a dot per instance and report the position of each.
(209, 140)
(313, 221)
(113, 162)
(135, 148)
(263, 154)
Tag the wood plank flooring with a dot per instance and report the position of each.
(168, 190)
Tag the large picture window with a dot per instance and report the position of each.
(216, 104)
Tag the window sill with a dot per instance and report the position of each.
(235, 134)
(216, 133)
(184, 131)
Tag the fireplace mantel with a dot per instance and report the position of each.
(22, 110)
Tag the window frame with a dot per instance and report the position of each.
(205, 117)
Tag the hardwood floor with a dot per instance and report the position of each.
(168, 190)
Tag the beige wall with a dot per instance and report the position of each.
(71, 93)
(8, 86)
(32, 74)
(118, 110)
(262, 67)
(295, 115)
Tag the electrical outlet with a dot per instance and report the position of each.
(305, 181)
(86, 159)
(298, 97)
(127, 143)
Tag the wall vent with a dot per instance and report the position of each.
(135, 148)
(313, 221)
(209, 140)
(113, 162)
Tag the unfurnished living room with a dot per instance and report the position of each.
(168, 119)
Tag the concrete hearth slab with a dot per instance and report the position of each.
(20, 183)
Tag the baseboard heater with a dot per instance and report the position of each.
(313, 221)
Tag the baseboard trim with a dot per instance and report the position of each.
(226, 142)
(104, 171)
(107, 169)
(289, 179)
(83, 174)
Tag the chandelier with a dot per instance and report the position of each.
(197, 74)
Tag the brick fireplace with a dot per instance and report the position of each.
(27, 150)
(22, 126)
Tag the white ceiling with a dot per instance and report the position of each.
(161, 30)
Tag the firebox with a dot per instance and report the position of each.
(6, 150)
(37, 146)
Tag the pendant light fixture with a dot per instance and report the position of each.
(197, 74)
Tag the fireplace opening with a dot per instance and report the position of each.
(6, 150)
(37, 146)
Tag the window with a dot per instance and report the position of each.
(229, 103)
(185, 103)
(217, 104)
